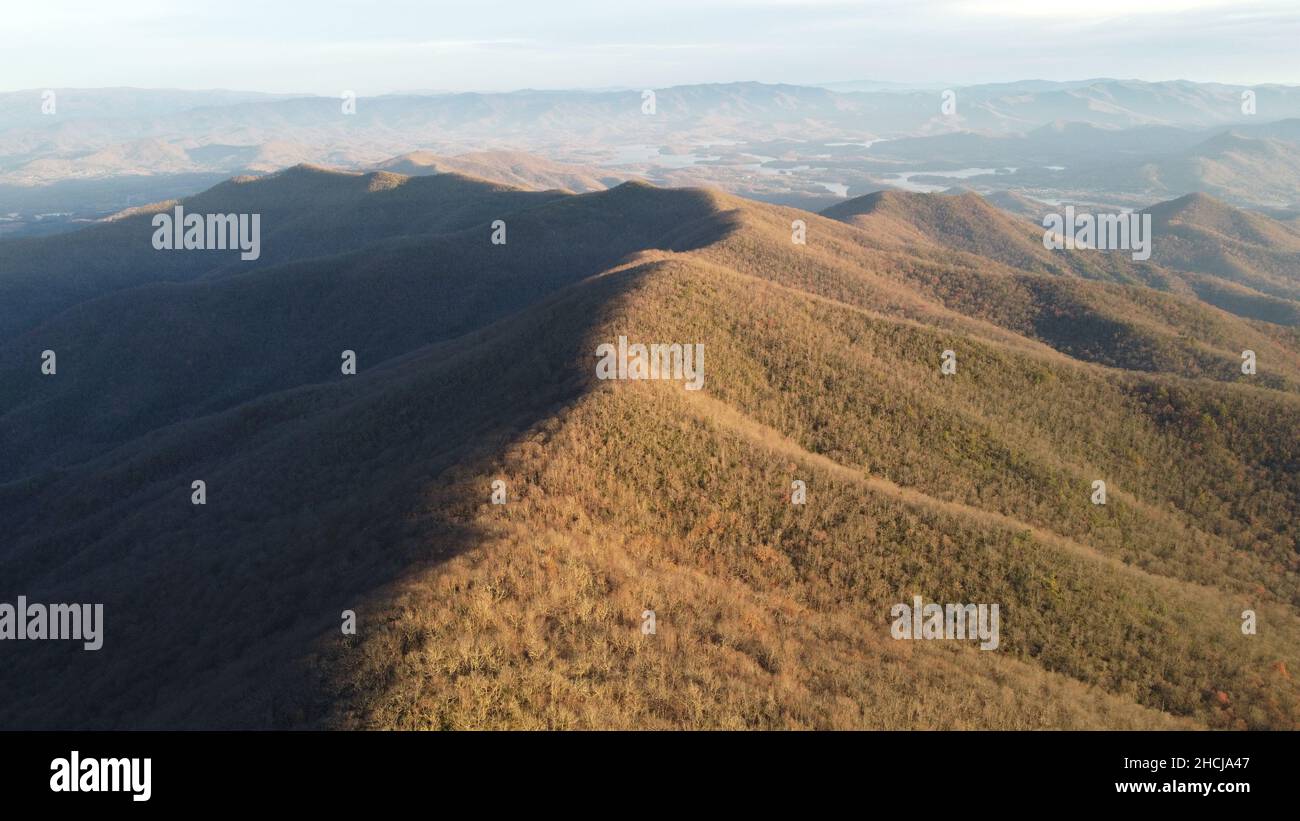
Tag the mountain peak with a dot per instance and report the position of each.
(908, 204)
(1196, 207)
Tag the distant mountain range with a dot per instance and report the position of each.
(372, 492)
(1121, 143)
(113, 115)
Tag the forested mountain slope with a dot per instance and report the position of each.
(373, 492)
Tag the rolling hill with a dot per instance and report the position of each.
(515, 168)
(1241, 261)
(307, 211)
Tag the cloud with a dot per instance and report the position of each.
(299, 45)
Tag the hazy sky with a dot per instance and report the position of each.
(381, 46)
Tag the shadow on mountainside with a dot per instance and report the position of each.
(317, 498)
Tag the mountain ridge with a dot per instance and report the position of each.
(371, 492)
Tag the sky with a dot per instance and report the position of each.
(386, 46)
